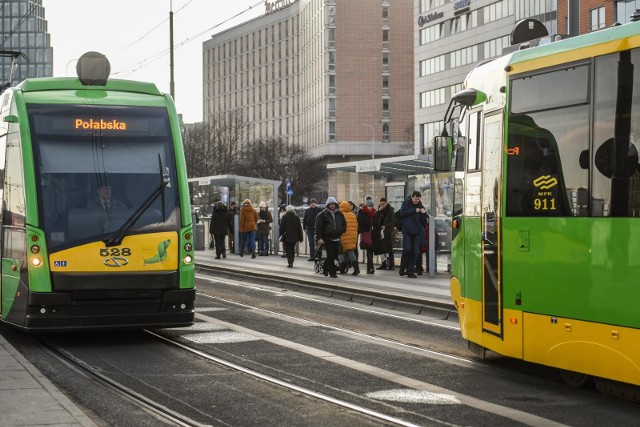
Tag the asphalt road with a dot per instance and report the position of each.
(413, 367)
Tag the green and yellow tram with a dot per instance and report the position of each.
(546, 247)
(96, 223)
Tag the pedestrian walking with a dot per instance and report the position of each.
(414, 219)
(219, 228)
(329, 227)
(308, 224)
(365, 230)
(290, 233)
(349, 238)
(264, 229)
(248, 226)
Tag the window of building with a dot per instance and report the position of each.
(596, 18)
(431, 34)
(427, 5)
(385, 108)
(432, 65)
(385, 132)
(624, 9)
(433, 97)
(493, 48)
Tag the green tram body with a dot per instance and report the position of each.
(546, 247)
(60, 140)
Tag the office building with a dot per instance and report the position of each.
(334, 76)
(24, 29)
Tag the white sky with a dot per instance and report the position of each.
(125, 31)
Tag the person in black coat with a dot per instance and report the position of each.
(308, 224)
(290, 233)
(414, 219)
(330, 226)
(219, 227)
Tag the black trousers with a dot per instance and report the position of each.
(332, 248)
(290, 250)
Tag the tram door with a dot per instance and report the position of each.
(491, 250)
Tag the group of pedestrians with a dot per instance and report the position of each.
(339, 227)
(336, 230)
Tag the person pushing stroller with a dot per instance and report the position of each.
(329, 227)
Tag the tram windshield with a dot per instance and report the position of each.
(96, 165)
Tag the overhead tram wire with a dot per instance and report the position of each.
(157, 26)
(135, 67)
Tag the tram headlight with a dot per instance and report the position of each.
(36, 261)
(188, 247)
(188, 259)
(35, 249)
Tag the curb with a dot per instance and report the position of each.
(355, 293)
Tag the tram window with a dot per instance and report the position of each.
(544, 174)
(560, 88)
(473, 156)
(616, 193)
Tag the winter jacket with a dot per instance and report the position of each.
(365, 219)
(219, 224)
(384, 218)
(412, 221)
(309, 220)
(291, 228)
(350, 236)
(330, 225)
(248, 219)
(265, 227)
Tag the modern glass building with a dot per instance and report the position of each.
(23, 28)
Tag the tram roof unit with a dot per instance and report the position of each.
(491, 76)
(73, 83)
(596, 43)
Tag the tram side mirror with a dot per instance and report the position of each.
(443, 147)
(11, 118)
(460, 159)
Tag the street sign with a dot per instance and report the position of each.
(290, 192)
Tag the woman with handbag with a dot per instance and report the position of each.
(365, 227)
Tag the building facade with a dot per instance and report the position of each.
(333, 76)
(24, 28)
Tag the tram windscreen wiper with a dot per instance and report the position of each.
(120, 233)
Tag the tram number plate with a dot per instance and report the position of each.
(106, 252)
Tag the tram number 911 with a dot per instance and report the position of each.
(544, 204)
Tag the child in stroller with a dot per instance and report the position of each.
(341, 265)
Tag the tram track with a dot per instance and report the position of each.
(158, 410)
(163, 413)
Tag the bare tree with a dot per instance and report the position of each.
(211, 148)
(408, 142)
(272, 158)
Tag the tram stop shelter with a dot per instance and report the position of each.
(400, 168)
(232, 188)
